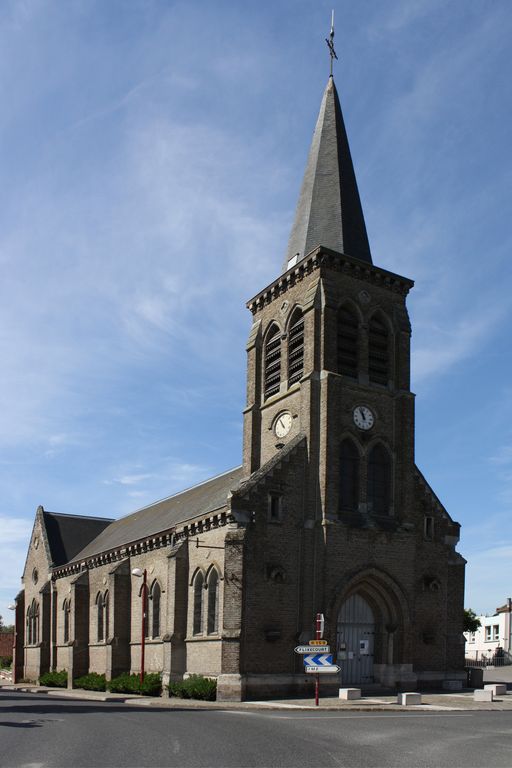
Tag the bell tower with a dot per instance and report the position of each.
(339, 507)
(328, 351)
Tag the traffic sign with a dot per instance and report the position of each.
(312, 649)
(318, 659)
(318, 642)
(330, 668)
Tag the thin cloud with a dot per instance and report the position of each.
(447, 348)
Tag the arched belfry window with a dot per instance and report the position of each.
(155, 609)
(378, 351)
(349, 476)
(296, 347)
(379, 480)
(198, 603)
(348, 342)
(213, 602)
(272, 361)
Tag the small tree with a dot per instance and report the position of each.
(471, 620)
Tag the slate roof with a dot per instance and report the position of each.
(165, 514)
(329, 211)
(67, 534)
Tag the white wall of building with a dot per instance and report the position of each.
(495, 631)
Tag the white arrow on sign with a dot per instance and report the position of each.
(331, 668)
(317, 659)
(312, 649)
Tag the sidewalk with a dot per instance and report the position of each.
(431, 702)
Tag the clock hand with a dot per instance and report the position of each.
(362, 414)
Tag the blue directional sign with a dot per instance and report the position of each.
(318, 660)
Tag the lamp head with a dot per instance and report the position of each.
(137, 572)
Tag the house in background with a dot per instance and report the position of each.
(492, 642)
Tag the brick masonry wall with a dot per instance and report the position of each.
(6, 643)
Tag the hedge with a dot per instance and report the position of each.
(54, 679)
(126, 683)
(91, 682)
(195, 687)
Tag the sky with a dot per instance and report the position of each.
(151, 155)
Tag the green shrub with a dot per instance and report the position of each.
(195, 687)
(91, 682)
(126, 683)
(5, 662)
(54, 679)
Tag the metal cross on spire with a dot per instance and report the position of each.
(330, 42)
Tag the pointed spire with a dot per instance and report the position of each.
(329, 210)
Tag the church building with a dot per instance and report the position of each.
(327, 513)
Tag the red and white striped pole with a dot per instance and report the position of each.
(318, 636)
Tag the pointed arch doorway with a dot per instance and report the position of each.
(356, 641)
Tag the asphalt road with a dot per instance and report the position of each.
(36, 732)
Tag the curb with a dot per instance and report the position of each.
(257, 706)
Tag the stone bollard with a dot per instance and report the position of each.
(408, 699)
(483, 695)
(347, 694)
(498, 689)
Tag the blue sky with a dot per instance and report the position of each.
(151, 156)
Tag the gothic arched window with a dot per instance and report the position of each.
(378, 351)
(348, 342)
(198, 604)
(295, 347)
(272, 361)
(33, 623)
(66, 610)
(100, 634)
(213, 602)
(155, 609)
(349, 476)
(379, 480)
(106, 616)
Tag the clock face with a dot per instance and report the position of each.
(283, 424)
(363, 417)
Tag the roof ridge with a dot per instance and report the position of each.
(82, 517)
(179, 493)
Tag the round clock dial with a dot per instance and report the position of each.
(363, 417)
(283, 424)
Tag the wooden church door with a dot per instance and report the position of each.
(355, 641)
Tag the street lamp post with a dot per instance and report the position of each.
(144, 575)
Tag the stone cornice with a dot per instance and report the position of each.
(162, 540)
(324, 257)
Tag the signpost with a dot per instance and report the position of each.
(311, 648)
(331, 669)
(317, 656)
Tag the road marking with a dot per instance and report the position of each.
(342, 717)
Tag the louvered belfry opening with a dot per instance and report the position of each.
(272, 362)
(348, 331)
(378, 351)
(296, 348)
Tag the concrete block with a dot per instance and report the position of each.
(347, 694)
(452, 685)
(408, 699)
(499, 689)
(483, 695)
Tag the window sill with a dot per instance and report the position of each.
(202, 638)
